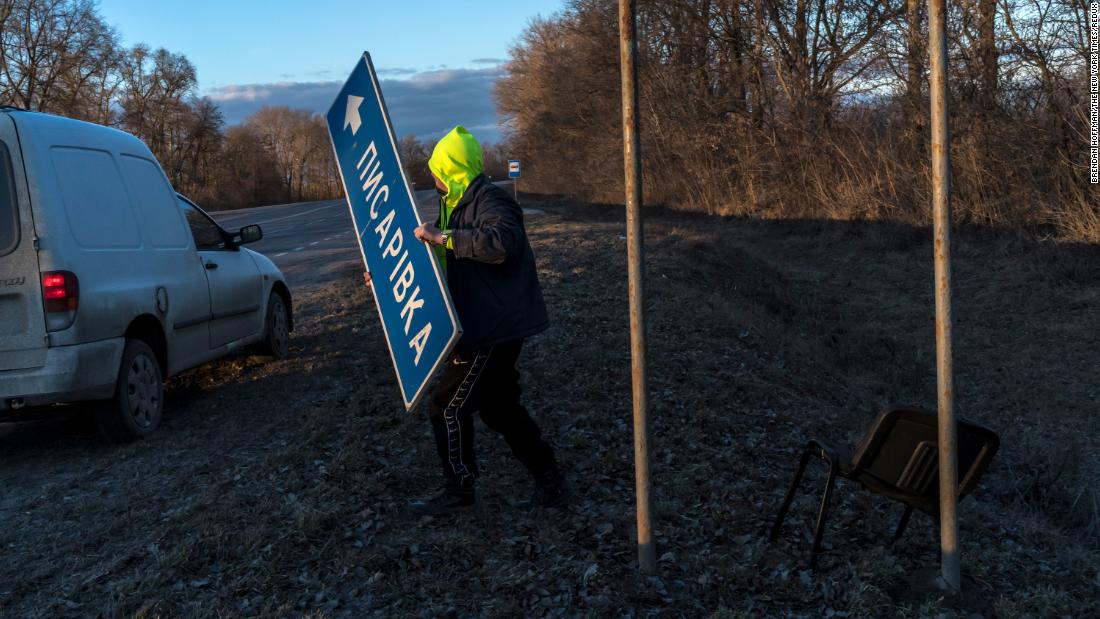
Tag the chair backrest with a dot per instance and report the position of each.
(901, 450)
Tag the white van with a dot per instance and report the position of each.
(110, 282)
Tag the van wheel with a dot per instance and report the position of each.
(135, 410)
(276, 342)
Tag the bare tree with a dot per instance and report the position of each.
(157, 86)
(414, 156)
(819, 50)
(246, 174)
(987, 51)
(811, 107)
(56, 56)
(276, 128)
(298, 143)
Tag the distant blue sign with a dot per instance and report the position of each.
(409, 289)
(513, 168)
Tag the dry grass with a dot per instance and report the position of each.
(278, 489)
(870, 165)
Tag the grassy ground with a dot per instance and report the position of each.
(278, 489)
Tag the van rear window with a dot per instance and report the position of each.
(9, 206)
(96, 203)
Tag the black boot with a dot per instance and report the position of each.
(551, 490)
(451, 499)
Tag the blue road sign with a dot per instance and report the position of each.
(513, 168)
(409, 289)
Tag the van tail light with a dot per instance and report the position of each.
(61, 298)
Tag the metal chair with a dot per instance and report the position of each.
(898, 458)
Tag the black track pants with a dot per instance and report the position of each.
(487, 382)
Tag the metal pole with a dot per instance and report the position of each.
(941, 212)
(628, 47)
(515, 189)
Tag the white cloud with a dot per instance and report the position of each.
(394, 71)
(428, 104)
(240, 93)
(428, 79)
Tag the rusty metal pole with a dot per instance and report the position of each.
(628, 47)
(941, 213)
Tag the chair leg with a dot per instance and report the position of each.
(902, 524)
(774, 535)
(819, 530)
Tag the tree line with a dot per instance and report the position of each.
(415, 153)
(803, 108)
(61, 57)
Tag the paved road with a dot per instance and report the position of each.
(312, 242)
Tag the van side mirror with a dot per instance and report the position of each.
(250, 234)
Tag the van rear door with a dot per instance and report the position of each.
(22, 323)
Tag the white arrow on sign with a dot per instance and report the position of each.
(351, 116)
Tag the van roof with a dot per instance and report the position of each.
(49, 129)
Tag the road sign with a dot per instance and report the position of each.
(513, 168)
(409, 289)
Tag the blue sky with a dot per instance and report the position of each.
(438, 60)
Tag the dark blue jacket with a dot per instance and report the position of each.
(491, 270)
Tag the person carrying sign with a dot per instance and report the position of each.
(482, 245)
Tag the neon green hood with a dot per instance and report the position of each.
(456, 160)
